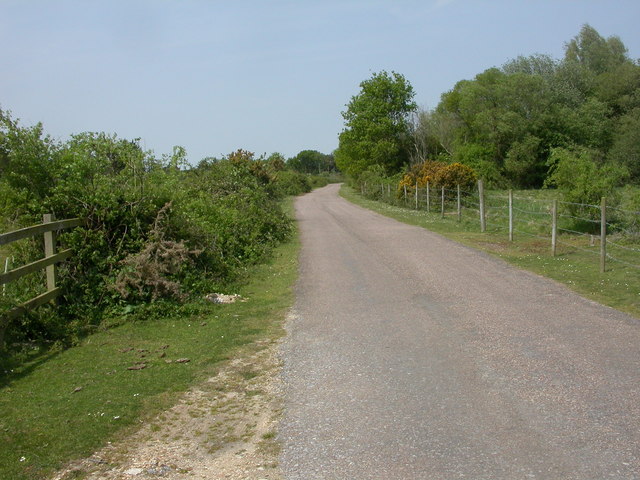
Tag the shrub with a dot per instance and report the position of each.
(290, 182)
(437, 174)
(581, 179)
(147, 274)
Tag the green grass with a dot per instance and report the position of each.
(576, 264)
(65, 405)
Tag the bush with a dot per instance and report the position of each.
(437, 174)
(133, 249)
(582, 180)
(290, 182)
(481, 159)
(318, 181)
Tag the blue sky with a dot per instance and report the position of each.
(266, 76)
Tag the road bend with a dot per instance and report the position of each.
(412, 357)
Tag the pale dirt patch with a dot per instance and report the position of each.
(224, 428)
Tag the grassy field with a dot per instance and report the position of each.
(576, 263)
(64, 405)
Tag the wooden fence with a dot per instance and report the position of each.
(49, 229)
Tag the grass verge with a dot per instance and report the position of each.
(618, 287)
(68, 404)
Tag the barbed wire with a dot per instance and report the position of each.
(623, 247)
(633, 265)
(574, 232)
(628, 212)
(561, 202)
(588, 220)
(625, 231)
(496, 217)
(530, 212)
(577, 247)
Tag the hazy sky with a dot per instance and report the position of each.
(270, 75)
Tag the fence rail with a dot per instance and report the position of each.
(48, 228)
(609, 233)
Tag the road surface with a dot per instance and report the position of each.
(412, 357)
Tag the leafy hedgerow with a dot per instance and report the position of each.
(132, 248)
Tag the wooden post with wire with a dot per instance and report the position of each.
(554, 227)
(603, 234)
(483, 219)
(428, 199)
(510, 215)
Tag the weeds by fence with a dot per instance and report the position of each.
(608, 233)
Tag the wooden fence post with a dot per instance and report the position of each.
(50, 251)
(405, 194)
(510, 215)
(603, 235)
(428, 199)
(459, 205)
(416, 194)
(4, 286)
(442, 204)
(554, 227)
(483, 221)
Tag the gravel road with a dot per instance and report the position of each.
(412, 357)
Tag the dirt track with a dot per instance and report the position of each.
(412, 357)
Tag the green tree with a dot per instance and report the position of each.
(625, 150)
(377, 127)
(538, 64)
(501, 118)
(594, 52)
(311, 161)
(581, 178)
(26, 158)
(619, 88)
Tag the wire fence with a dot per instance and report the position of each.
(607, 233)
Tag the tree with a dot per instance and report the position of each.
(626, 144)
(591, 50)
(26, 157)
(433, 135)
(537, 64)
(377, 127)
(582, 179)
(312, 161)
(501, 122)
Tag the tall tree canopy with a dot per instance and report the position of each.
(377, 125)
(506, 122)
